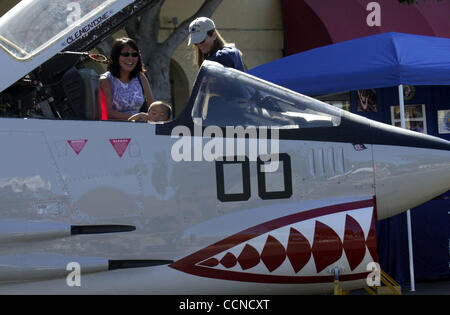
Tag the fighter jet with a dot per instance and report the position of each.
(253, 189)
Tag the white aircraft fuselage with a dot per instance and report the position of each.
(98, 207)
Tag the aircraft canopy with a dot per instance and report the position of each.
(227, 97)
(33, 24)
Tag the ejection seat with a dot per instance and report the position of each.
(82, 88)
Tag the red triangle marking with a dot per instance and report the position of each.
(327, 246)
(298, 250)
(354, 242)
(120, 145)
(273, 253)
(77, 145)
(371, 241)
(249, 257)
(229, 260)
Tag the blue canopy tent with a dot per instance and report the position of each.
(379, 61)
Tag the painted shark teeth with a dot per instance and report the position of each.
(297, 248)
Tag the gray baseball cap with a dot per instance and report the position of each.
(198, 29)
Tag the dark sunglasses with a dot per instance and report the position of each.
(127, 54)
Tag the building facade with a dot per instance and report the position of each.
(255, 26)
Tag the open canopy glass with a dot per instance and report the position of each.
(32, 25)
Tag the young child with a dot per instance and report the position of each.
(159, 111)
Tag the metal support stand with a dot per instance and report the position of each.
(391, 287)
(337, 288)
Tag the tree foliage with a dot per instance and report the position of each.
(157, 55)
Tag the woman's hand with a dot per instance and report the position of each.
(139, 117)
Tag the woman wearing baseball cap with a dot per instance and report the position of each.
(209, 45)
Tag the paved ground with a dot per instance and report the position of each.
(429, 288)
(423, 288)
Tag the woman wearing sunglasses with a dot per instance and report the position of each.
(125, 86)
(209, 45)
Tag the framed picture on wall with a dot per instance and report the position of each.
(443, 121)
(409, 91)
(367, 100)
(415, 117)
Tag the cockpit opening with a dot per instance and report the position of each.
(62, 88)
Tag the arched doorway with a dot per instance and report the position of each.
(179, 87)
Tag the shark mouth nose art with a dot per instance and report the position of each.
(296, 248)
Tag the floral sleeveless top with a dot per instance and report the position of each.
(128, 97)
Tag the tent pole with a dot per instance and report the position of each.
(402, 105)
(411, 263)
(408, 213)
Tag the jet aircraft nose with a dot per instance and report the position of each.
(410, 168)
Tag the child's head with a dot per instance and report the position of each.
(159, 111)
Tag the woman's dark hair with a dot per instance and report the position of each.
(114, 65)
